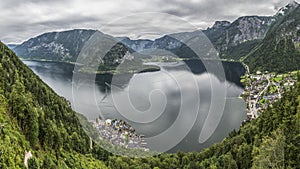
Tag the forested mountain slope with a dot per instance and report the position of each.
(34, 118)
(280, 49)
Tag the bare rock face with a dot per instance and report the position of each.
(249, 28)
(62, 46)
(286, 9)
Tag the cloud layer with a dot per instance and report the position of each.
(21, 20)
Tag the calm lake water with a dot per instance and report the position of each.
(177, 99)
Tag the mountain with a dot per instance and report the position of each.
(12, 46)
(66, 47)
(137, 45)
(167, 42)
(246, 36)
(232, 40)
(286, 9)
(61, 46)
(34, 119)
(240, 37)
(280, 49)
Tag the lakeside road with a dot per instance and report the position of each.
(259, 95)
(246, 67)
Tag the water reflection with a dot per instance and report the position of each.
(170, 97)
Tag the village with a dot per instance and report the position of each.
(120, 133)
(263, 89)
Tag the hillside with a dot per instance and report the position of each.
(62, 46)
(65, 46)
(280, 49)
(34, 118)
(238, 38)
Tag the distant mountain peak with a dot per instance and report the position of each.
(219, 24)
(288, 8)
(293, 3)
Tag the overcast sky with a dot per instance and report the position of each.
(22, 19)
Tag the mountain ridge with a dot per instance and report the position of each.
(279, 50)
(222, 37)
(232, 40)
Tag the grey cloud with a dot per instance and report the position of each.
(17, 3)
(221, 10)
(21, 20)
(67, 21)
(146, 25)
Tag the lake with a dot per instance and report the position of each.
(171, 107)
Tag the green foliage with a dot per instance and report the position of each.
(12, 143)
(278, 52)
(240, 50)
(33, 163)
(271, 151)
(33, 117)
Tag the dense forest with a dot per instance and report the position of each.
(34, 118)
(279, 51)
